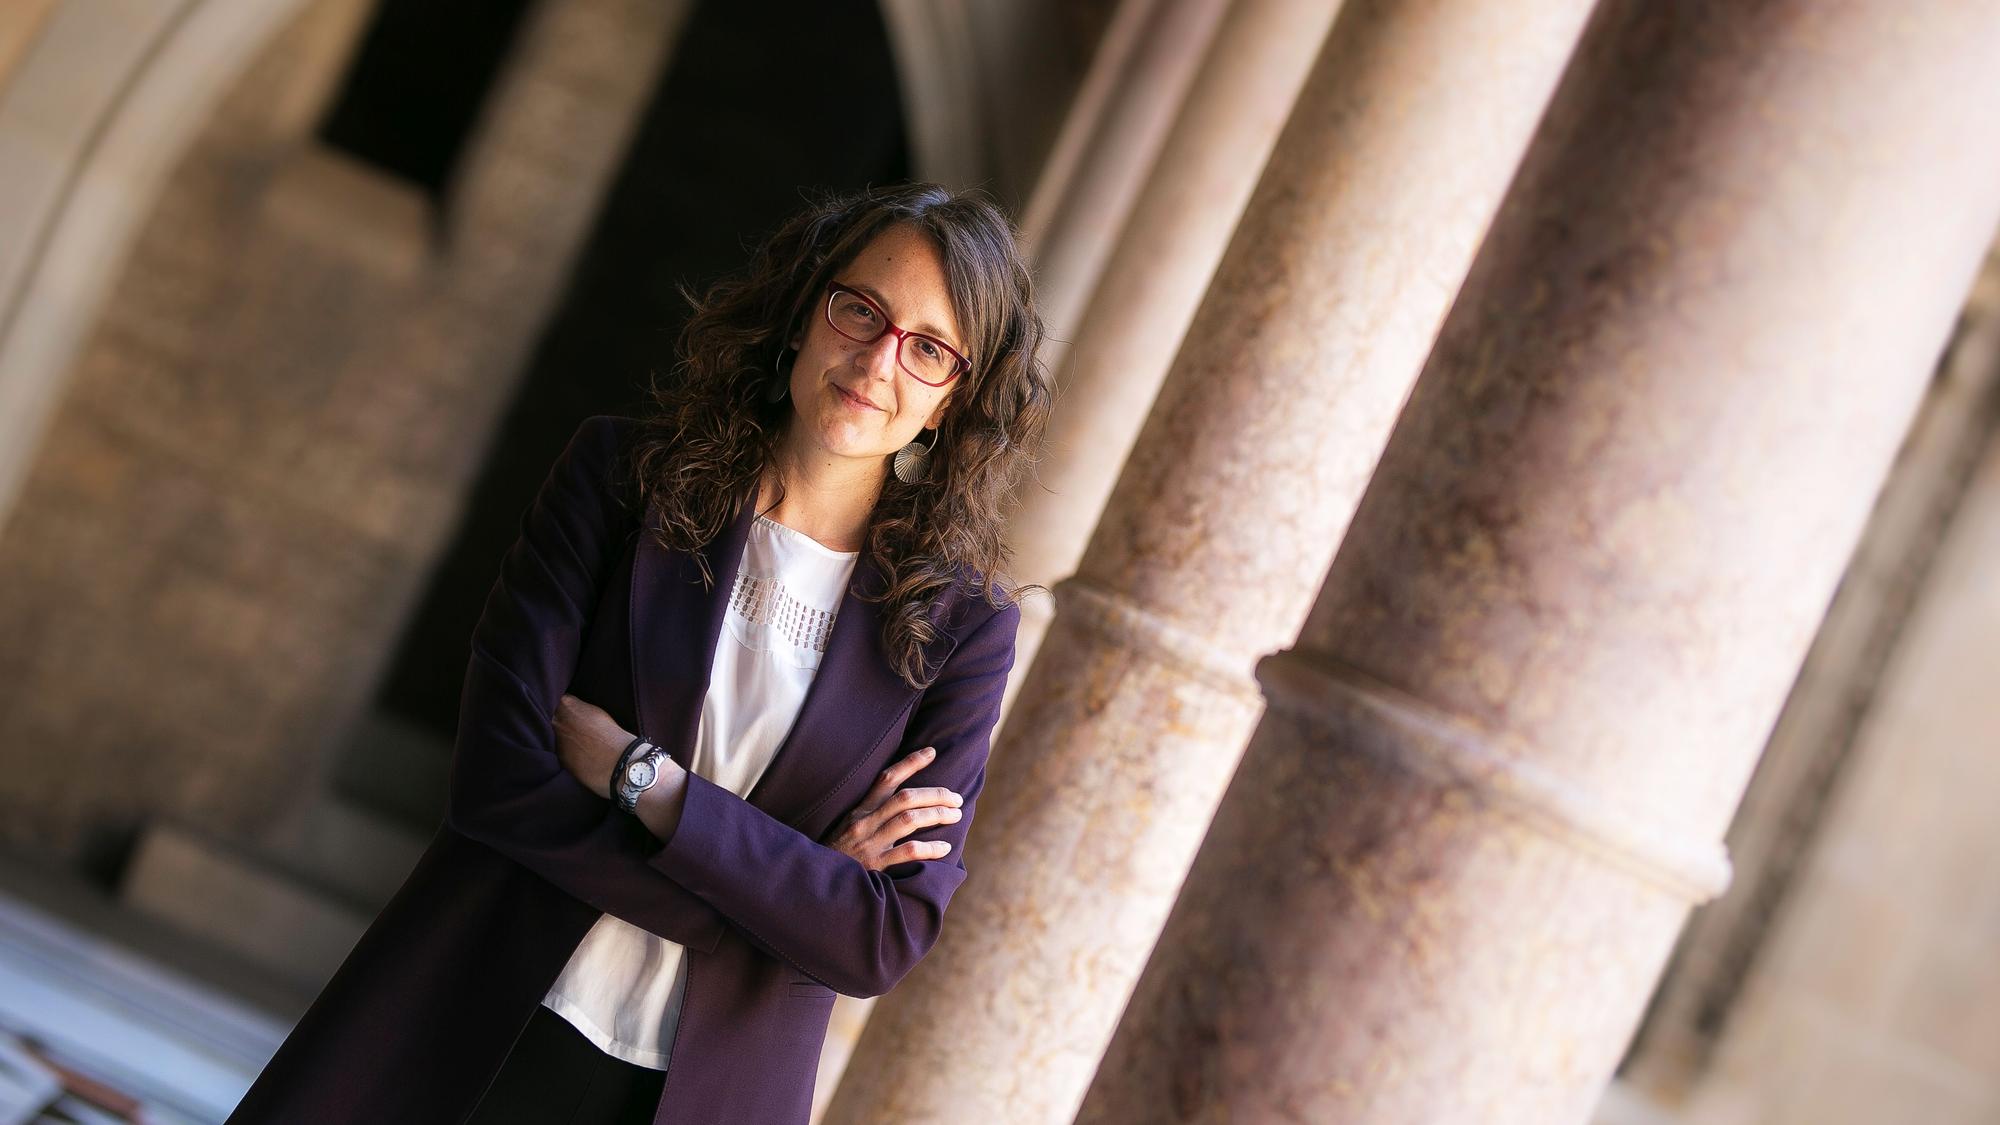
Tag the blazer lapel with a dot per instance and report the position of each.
(854, 696)
(675, 623)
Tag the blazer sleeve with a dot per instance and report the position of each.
(508, 790)
(855, 930)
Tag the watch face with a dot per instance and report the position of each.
(639, 774)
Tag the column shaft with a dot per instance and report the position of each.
(1108, 142)
(1154, 280)
(1402, 143)
(1495, 772)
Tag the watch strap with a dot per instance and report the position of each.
(618, 771)
(628, 793)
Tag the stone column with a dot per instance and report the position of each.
(1807, 763)
(1331, 293)
(1150, 287)
(1109, 140)
(1496, 768)
(1147, 293)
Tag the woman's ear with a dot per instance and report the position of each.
(937, 416)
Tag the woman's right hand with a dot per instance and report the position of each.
(885, 815)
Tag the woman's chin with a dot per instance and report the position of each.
(843, 441)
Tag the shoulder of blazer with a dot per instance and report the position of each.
(608, 439)
(964, 608)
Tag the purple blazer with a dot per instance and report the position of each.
(419, 1017)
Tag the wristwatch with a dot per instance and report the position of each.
(639, 776)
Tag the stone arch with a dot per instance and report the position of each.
(92, 121)
(265, 412)
(103, 103)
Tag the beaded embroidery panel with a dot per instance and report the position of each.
(763, 600)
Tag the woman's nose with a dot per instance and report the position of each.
(880, 356)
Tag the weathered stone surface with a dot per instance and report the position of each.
(264, 440)
(1120, 742)
(1140, 309)
(1496, 766)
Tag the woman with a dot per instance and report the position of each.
(678, 820)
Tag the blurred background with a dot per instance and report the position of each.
(1519, 518)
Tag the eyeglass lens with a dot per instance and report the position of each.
(854, 317)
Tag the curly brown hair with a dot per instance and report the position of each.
(703, 452)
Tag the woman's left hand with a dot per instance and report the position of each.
(588, 742)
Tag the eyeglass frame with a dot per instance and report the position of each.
(889, 327)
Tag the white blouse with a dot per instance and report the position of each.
(623, 984)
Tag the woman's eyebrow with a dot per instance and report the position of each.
(875, 295)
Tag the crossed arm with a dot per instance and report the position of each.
(589, 741)
(725, 861)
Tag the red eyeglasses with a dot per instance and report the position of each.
(928, 359)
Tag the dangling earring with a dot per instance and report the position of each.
(913, 461)
(780, 382)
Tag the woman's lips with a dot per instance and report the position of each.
(852, 400)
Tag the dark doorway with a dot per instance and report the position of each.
(762, 101)
(421, 72)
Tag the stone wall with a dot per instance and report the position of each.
(267, 434)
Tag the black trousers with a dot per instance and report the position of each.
(554, 1076)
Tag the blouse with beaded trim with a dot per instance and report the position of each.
(622, 986)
